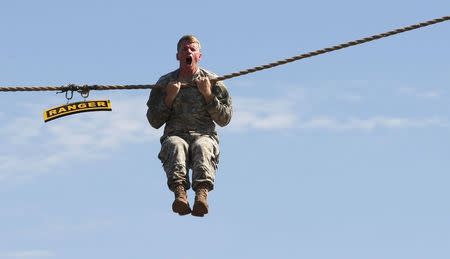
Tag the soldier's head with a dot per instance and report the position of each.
(188, 52)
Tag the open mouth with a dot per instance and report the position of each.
(189, 60)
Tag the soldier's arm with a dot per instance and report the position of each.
(158, 112)
(220, 108)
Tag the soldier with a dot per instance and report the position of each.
(189, 113)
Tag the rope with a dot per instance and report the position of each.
(334, 48)
(232, 75)
(75, 88)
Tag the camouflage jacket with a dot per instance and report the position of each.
(189, 113)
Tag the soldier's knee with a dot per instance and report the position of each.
(173, 151)
(175, 142)
(202, 145)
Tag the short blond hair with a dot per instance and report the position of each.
(190, 39)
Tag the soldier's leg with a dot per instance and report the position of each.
(174, 156)
(204, 157)
(204, 153)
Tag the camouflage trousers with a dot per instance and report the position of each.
(194, 151)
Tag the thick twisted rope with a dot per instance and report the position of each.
(334, 48)
(232, 75)
(75, 88)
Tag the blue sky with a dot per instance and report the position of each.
(343, 155)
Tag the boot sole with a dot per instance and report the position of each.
(181, 207)
(200, 209)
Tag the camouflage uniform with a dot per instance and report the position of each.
(190, 140)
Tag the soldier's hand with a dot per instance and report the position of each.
(204, 86)
(172, 90)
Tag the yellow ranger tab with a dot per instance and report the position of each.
(73, 108)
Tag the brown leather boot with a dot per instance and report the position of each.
(201, 203)
(181, 205)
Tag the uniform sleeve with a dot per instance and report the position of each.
(220, 108)
(158, 112)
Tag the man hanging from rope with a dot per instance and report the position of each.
(190, 105)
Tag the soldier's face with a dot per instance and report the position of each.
(189, 55)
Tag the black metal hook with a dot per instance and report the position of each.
(68, 91)
(67, 95)
(84, 91)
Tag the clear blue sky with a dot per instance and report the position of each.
(342, 156)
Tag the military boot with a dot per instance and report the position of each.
(181, 205)
(201, 204)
